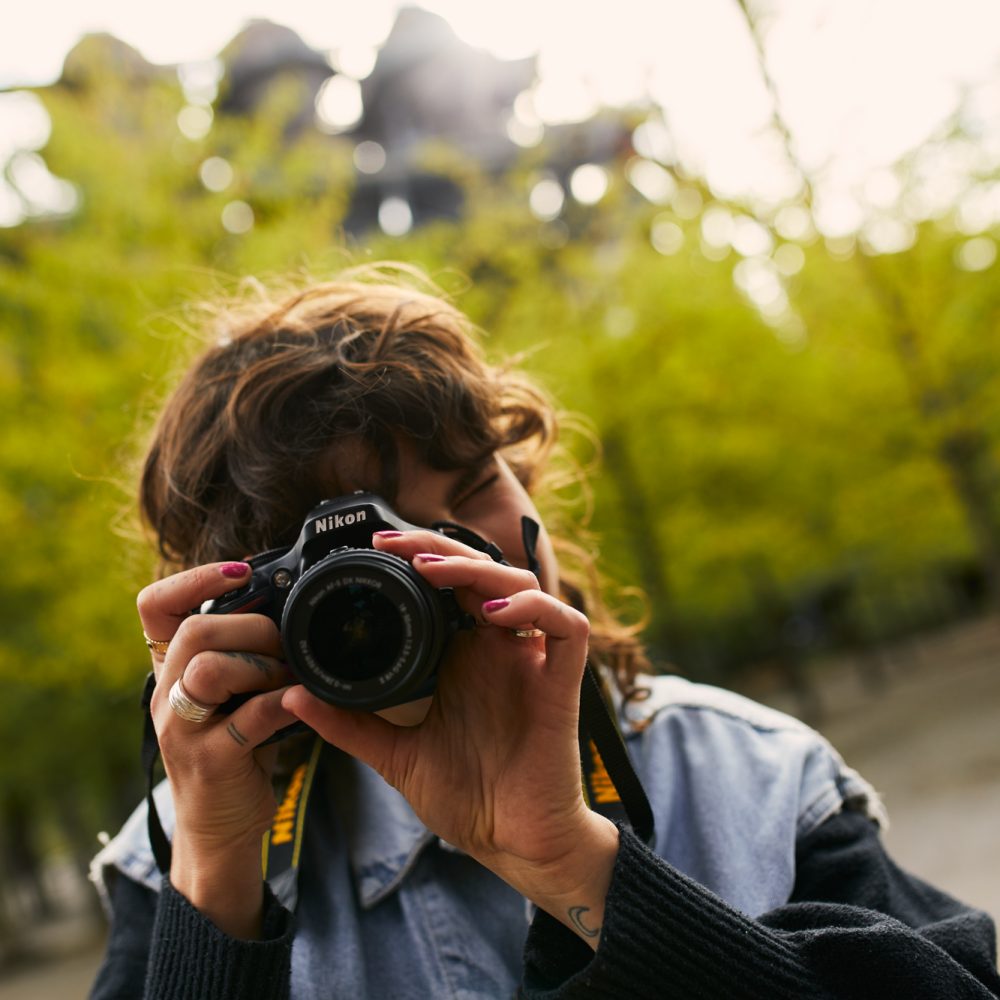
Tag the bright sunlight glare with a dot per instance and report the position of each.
(860, 81)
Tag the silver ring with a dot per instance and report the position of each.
(527, 633)
(156, 645)
(185, 706)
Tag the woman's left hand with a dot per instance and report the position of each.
(494, 768)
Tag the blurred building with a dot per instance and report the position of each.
(427, 89)
(428, 85)
(99, 55)
(263, 56)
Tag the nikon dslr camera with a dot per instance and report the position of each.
(360, 628)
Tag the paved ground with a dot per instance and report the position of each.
(930, 743)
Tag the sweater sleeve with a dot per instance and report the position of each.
(162, 948)
(855, 927)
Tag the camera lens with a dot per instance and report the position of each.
(362, 629)
(358, 630)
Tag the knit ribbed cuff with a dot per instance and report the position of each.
(663, 935)
(191, 959)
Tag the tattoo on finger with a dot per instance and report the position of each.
(236, 734)
(254, 660)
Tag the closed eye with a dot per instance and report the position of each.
(480, 487)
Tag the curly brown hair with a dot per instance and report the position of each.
(239, 454)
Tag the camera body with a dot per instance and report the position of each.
(360, 628)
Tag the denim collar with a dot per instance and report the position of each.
(383, 836)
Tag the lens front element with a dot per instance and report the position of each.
(362, 629)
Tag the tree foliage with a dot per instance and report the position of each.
(752, 461)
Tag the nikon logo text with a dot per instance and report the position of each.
(339, 520)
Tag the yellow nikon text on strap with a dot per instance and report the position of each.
(283, 841)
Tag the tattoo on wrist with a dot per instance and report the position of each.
(236, 734)
(576, 919)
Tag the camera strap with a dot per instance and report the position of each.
(610, 785)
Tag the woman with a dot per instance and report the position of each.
(434, 825)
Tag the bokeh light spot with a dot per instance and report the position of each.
(44, 193)
(194, 121)
(650, 179)
(837, 214)
(200, 80)
(11, 206)
(588, 183)
(652, 140)
(395, 217)
(524, 134)
(524, 127)
(717, 226)
(546, 199)
(793, 222)
(789, 259)
(369, 157)
(216, 173)
(887, 234)
(841, 247)
(759, 281)
(356, 61)
(665, 235)
(687, 202)
(979, 209)
(338, 104)
(750, 238)
(977, 254)
(24, 123)
(237, 218)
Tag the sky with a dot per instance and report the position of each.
(859, 81)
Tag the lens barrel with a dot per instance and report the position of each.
(362, 629)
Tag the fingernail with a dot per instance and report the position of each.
(388, 534)
(428, 557)
(500, 602)
(234, 570)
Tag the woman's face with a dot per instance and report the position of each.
(489, 499)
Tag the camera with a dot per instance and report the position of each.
(360, 628)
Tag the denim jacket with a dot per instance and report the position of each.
(385, 908)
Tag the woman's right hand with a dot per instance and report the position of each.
(221, 784)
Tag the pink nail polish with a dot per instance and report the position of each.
(234, 570)
(388, 534)
(429, 557)
(500, 602)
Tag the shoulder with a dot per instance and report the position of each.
(129, 851)
(664, 693)
(723, 740)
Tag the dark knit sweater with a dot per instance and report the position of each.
(855, 927)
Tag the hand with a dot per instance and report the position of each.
(221, 784)
(494, 768)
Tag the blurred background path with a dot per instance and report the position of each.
(929, 742)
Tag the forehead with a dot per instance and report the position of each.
(350, 464)
(398, 472)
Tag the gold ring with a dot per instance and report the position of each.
(185, 706)
(527, 633)
(156, 645)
